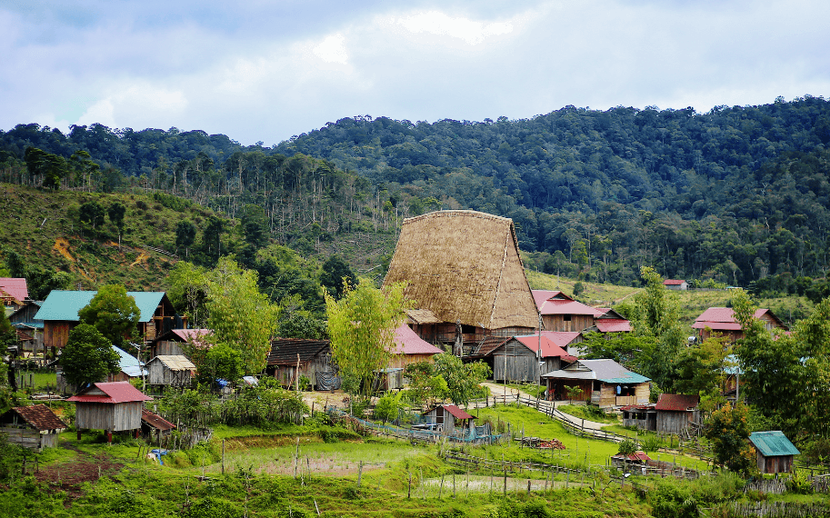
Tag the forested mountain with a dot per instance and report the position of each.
(736, 195)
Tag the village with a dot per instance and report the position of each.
(469, 312)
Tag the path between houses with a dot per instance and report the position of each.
(499, 390)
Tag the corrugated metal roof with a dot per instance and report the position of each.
(612, 325)
(175, 362)
(454, 411)
(40, 417)
(15, 287)
(607, 371)
(111, 393)
(284, 351)
(156, 421)
(64, 305)
(676, 402)
(129, 364)
(549, 348)
(408, 342)
(773, 444)
(673, 282)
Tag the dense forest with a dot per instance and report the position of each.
(738, 195)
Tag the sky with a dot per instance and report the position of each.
(264, 71)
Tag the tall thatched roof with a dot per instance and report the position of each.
(464, 265)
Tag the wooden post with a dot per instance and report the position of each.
(359, 473)
(453, 485)
(223, 456)
(528, 486)
(409, 488)
(505, 482)
(441, 488)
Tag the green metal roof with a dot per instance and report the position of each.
(773, 444)
(64, 305)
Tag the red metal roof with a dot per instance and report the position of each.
(457, 412)
(40, 417)
(676, 402)
(15, 286)
(189, 334)
(636, 456)
(549, 348)
(673, 282)
(612, 325)
(117, 392)
(567, 307)
(408, 342)
(156, 421)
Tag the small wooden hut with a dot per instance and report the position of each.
(605, 383)
(775, 453)
(171, 371)
(293, 357)
(448, 419)
(562, 313)
(35, 427)
(112, 407)
(722, 321)
(464, 271)
(643, 417)
(154, 427)
(677, 412)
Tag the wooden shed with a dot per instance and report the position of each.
(516, 358)
(154, 427)
(677, 412)
(605, 383)
(643, 417)
(465, 275)
(170, 343)
(293, 357)
(35, 427)
(112, 407)
(171, 371)
(448, 419)
(775, 453)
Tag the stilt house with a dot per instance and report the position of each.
(775, 453)
(112, 407)
(605, 383)
(466, 277)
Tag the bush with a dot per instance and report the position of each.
(651, 442)
(672, 499)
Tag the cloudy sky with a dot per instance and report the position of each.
(266, 70)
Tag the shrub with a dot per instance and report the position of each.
(651, 442)
(627, 447)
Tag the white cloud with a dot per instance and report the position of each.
(137, 105)
(333, 50)
(436, 22)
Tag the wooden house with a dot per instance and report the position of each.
(170, 371)
(112, 407)
(676, 284)
(411, 348)
(23, 319)
(722, 322)
(466, 277)
(677, 412)
(13, 291)
(562, 313)
(59, 314)
(605, 383)
(293, 357)
(35, 427)
(170, 342)
(448, 419)
(774, 452)
(609, 321)
(518, 358)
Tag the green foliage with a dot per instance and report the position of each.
(113, 313)
(92, 213)
(463, 379)
(362, 329)
(188, 291)
(799, 483)
(336, 273)
(426, 388)
(222, 361)
(627, 447)
(88, 356)
(673, 499)
(387, 407)
(239, 314)
(728, 430)
(574, 392)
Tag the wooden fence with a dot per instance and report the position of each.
(779, 510)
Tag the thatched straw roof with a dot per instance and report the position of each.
(464, 265)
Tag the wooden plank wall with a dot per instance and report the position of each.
(521, 363)
(558, 323)
(56, 333)
(26, 437)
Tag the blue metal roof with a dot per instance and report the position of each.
(64, 305)
(129, 364)
(773, 444)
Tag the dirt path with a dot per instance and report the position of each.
(499, 390)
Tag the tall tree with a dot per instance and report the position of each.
(113, 313)
(362, 329)
(239, 315)
(185, 235)
(88, 356)
(116, 213)
(335, 273)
